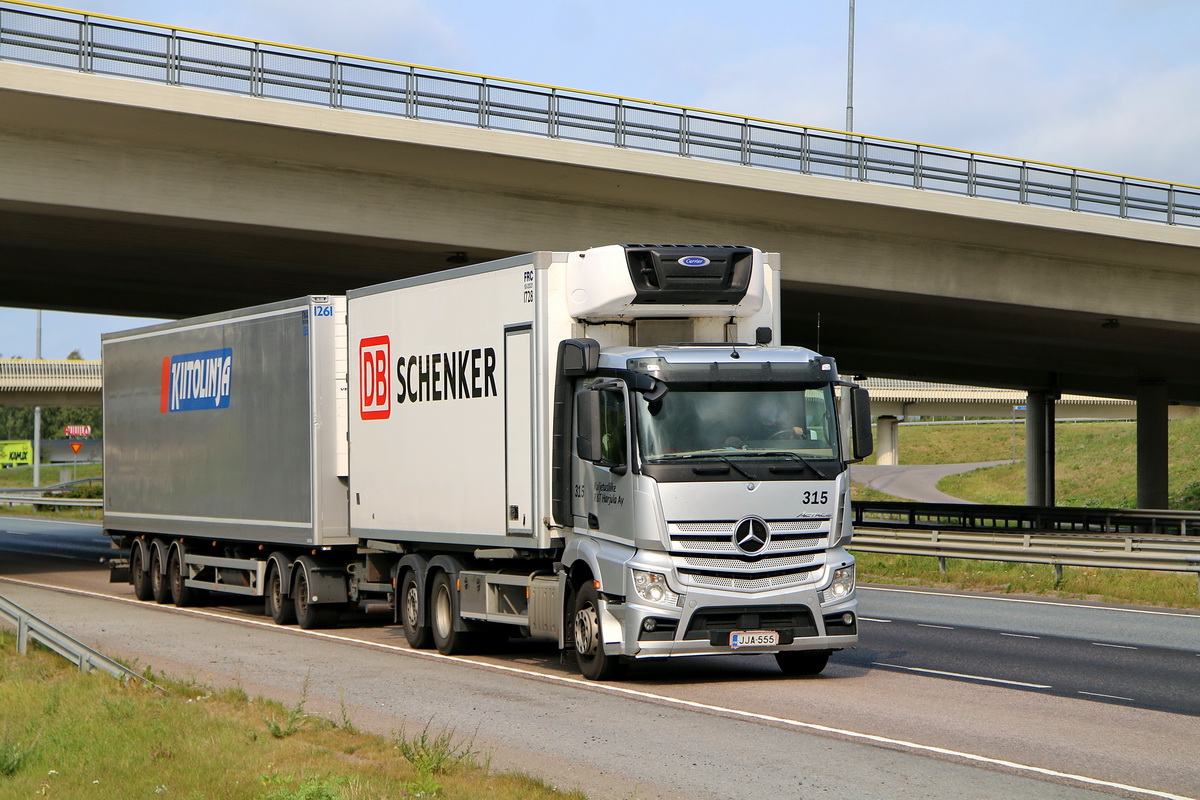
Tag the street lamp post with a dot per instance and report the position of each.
(37, 414)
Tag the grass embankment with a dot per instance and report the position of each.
(57, 740)
(1096, 467)
(1095, 462)
(22, 478)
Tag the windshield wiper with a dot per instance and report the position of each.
(710, 456)
(792, 455)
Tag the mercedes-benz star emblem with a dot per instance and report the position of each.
(751, 536)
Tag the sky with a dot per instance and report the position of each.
(1110, 85)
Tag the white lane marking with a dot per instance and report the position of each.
(872, 619)
(1020, 635)
(962, 675)
(1029, 602)
(1109, 696)
(1118, 646)
(620, 690)
(927, 625)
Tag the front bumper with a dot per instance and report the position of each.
(702, 626)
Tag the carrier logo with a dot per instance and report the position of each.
(751, 536)
(694, 261)
(374, 355)
(197, 381)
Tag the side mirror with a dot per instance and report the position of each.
(578, 358)
(860, 410)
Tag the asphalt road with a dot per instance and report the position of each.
(914, 482)
(947, 696)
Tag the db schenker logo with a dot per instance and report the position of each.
(374, 356)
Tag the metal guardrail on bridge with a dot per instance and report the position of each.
(107, 45)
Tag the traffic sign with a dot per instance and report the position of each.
(76, 447)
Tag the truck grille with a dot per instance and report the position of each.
(715, 624)
(704, 555)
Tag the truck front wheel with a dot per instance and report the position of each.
(803, 662)
(589, 641)
(418, 635)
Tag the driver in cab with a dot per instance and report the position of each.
(769, 423)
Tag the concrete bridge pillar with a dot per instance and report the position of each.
(887, 441)
(1152, 440)
(1039, 448)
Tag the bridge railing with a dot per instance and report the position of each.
(37, 34)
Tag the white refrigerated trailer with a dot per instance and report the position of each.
(606, 448)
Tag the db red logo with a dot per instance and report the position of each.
(375, 395)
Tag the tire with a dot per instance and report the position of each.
(589, 639)
(419, 636)
(278, 606)
(311, 616)
(803, 662)
(448, 641)
(160, 590)
(183, 596)
(139, 576)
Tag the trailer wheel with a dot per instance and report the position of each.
(159, 589)
(182, 595)
(280, 607)
(138, 575)
(589, 641)
(418, 635)
(803, 662)
(311, 616)
(449, 642)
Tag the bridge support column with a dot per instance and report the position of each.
(1152, 462)
(1039, 448)
(887, 441)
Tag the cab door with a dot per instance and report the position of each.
(603, 481)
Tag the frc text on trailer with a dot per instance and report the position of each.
(606, 448)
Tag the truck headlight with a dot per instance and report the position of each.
(652, 587)
(843, 583)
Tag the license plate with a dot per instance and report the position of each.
(753, 639)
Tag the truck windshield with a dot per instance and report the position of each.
(778, 422)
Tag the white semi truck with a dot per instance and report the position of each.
(606, 448)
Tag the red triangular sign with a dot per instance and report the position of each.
(76, 447)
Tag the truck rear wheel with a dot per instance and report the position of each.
(138, 574)
(159, 589)
(418, 635)
(589, 640)
(280, 607)
(803, 662)
(448, 641)
(181, 594)
(311, 616)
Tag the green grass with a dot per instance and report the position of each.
(1096, 462)
(22, 478)
(1120, 586)
(69, 735)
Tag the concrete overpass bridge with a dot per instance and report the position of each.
(158, 171)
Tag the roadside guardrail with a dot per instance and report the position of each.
(1082, 537)
(35, 33)
(31, 628)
